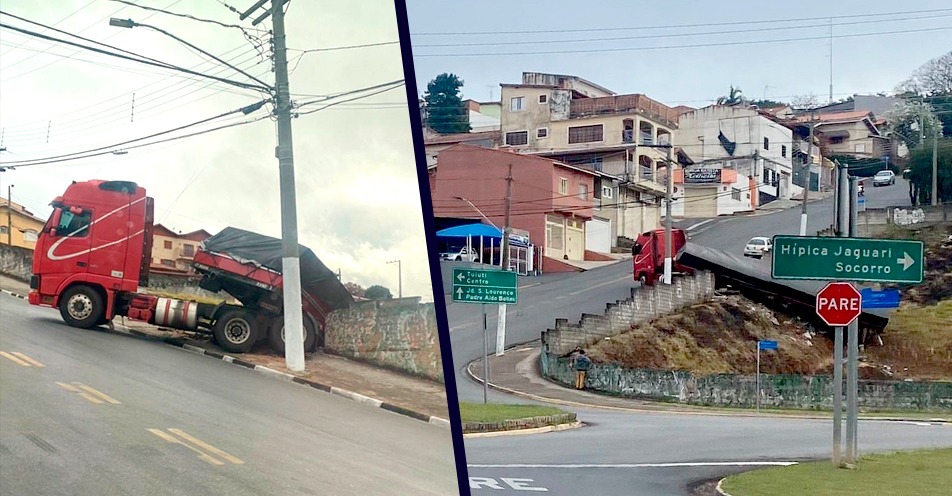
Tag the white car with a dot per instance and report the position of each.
(460, 253)
(884, 178)
(757, 247)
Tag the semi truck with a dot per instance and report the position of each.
(648, 255)
(95, 252)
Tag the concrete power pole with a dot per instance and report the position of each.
(669, 193)
(501, 316)
(935, 163)
(9, 215)
(290, 262)
(806, 190)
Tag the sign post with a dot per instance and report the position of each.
(762, 345)
(482, 287)
(847, 259)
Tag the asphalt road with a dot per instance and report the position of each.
(109, 414)
(647, 453)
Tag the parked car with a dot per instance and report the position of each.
(459, 254)
(757, 247)
(884, 178)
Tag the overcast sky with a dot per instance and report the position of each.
(357, 189)
(693, 76)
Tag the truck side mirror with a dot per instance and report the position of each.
(636, 249)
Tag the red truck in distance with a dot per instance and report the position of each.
(94, 254)
(648, 255)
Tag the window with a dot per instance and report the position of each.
(517, 138)
(188, 250)
(583, 192)
(735, 194)
(73, 224)
(517, 103)
(860, 147)
(606, 192)
(4, 230)
(542, 132)
(585, 134)
(836, 140)
(168, 263)
(766, 143)
(543, 98)
(783, 150)
(597, 163)
(30, 236)
(563, 186)
(167, 245)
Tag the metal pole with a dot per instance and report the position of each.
(837, 395)
(501, 316)
(485, 356)
(290, 263)
(836, 199)
(400, 278)
(667, 215)
(758, 376)
(853, 352)
(935, 163)
(806, 190)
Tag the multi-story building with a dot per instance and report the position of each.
(173, 252)
(852, 133)
(18, 226)
(742, 158)
(551, 201)
(577, 122)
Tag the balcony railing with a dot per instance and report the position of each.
(582, 107)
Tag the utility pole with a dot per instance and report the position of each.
(399, 277)
(667, 215)
(501, 316)
(806, 190)
(935, 162)
(9, 214)
(852, 342)
(290, 263)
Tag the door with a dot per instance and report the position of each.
(700, 202)
(574, 239)
(598, 235)
(65, 247)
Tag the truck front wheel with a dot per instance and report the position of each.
(236, 331)
(81, 306)
(276, 335)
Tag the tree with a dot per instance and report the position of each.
(735, 97)
(912, 121)
(444, 107)
(355, 289)
(920, 175)
(805, 102)
(377, 292)
(932, 78)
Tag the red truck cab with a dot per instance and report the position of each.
(648, 254)
(97, 242)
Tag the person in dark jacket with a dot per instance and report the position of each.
(582, 364)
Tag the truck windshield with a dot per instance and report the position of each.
(71, 224)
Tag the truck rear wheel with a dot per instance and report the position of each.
(236, 330)
(276, 335)
(81, 306)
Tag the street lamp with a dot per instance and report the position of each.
(480, 212)
(399, 277)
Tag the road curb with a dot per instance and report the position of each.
(720, 490)
(524, 432)
(336, 391)
(554, 401)
(15, 295)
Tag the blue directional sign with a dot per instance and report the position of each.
(880, 299)
(768, 345)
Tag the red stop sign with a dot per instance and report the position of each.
(839, 303)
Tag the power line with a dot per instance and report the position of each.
(672, 47)
(646, 28)
(673, 35)
(140, 60)
(57, 23)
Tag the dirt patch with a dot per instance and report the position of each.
(937, 275)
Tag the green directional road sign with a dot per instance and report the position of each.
(847, 259)
(484, 286)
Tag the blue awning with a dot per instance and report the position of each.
(474, 230)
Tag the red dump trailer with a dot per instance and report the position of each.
(94, 254)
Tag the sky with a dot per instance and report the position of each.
(640, 47)
(358, 202)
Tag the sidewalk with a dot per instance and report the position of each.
(416, 395)
(517, 372)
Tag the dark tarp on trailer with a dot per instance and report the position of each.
(316, 279)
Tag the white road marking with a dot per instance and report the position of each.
(637, 465)
(514, 484)
(699, 224)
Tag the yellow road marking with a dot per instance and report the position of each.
(201, 455)
(28, 359)
(82, 394)
(100, 394)
(14, 359)
(206, 446)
